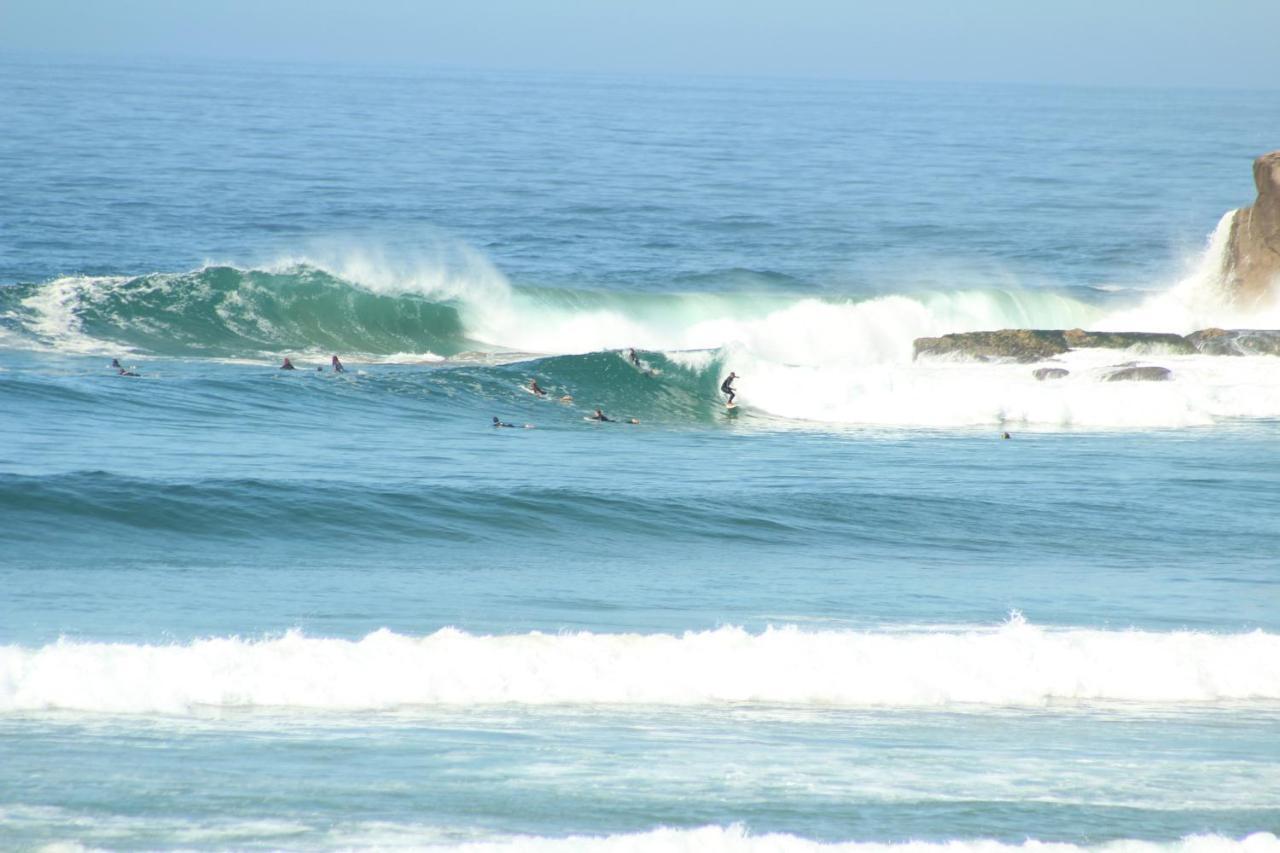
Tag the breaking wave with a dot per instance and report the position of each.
(825, 359)
(736, 839)
(228, 312)
(1017, 664)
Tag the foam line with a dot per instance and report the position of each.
(1016, 664)
(734, 839)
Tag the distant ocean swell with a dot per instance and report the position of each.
(65, 513)
(1017, 664)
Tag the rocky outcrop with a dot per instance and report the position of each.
(1044, 373)
(1025, 345)
(1252, 262)
(1236, 341)
(1138, 373)
(1080, 339)
(1028, 345)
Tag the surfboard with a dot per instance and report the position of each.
(567, 398)
(731, 406)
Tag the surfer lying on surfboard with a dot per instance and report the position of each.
(726, 387)
(601, 416)
(536, 388)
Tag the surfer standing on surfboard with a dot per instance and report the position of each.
(726, 387)
(536, 389)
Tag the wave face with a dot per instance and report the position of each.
(1015, 665)
(229, 312)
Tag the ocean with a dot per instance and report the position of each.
(246, 608)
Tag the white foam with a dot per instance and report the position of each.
(940, 393)
(1016, 664)
(735, 839)
(1199, 300)
(54, 319)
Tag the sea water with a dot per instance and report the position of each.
(246, 608)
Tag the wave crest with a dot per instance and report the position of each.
(1016, 664)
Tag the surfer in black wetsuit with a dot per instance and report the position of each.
(288, 365)
(726, 387)
(635, 359)
(498, 423)
(337, 366)
(600, 416)
(535, 388)
(115, 362)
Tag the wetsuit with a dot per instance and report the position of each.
(726, 387)
(600, 416)
(498, 423)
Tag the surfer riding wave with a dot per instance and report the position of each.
(726, 387)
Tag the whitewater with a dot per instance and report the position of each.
(1013, 666)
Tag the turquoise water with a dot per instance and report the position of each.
(247, 608)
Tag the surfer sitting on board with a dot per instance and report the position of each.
(535, 388)
(600, 416)
(337, 366)
(726, 387)
(288, 365)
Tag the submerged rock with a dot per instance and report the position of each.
(1236, 341)
(1138, 373)
(1251, 266)
(1044, 373)
(1024, 345)
(1080, 339)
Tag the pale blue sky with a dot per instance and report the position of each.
(1122, 42)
